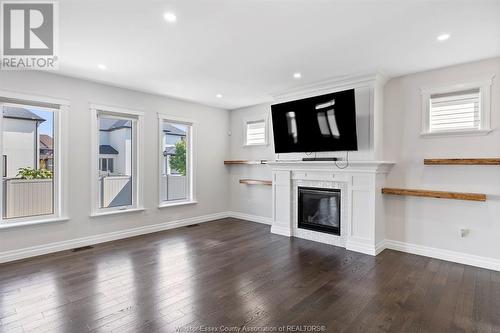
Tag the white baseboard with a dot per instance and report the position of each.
(111, 236)
(250, 217)
(459, 257)
(359, 247)
(275, 229)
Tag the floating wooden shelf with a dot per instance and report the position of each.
(435, 194)
(255, 182)
(462, 161)
(245, 162)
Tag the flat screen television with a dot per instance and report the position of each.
(315, 124)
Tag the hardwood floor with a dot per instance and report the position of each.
(234, 273)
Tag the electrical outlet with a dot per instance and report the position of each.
(464, 232)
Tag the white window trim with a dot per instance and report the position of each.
(484, 87)
(191, 160)
(60, 107)
(137, 163)
(257, 118)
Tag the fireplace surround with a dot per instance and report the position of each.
(362, 213)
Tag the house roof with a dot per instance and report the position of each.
(108, 124)
(20, 113)
(172, 130)
(46, 141)
(107, 150)
(170, 150)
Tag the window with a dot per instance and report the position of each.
(32, 164)
(256, 132)
(116, 184)
(106, 164)
(455, 111)
(463, 109)
(176, 156)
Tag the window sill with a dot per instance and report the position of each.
(9, 225)
(256, 145)
(456, 133)
(179, 203)
(118, 211)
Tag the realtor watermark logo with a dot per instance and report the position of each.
(30, 35)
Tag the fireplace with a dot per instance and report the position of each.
(319, 209)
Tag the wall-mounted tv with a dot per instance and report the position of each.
(320, 123)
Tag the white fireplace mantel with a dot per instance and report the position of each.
(352, 166)
(363, 217)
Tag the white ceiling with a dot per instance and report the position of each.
(249, 49)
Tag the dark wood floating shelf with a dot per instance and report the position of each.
(462, 161)
(435, 194)
(230, 162)
(255, 182)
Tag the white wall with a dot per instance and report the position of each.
(434, 222)
(211, 149)
(249, 199)
(20, 143)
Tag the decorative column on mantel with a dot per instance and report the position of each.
(362, 225)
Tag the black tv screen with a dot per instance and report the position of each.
(320, 123)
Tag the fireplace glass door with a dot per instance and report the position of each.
(319, 209)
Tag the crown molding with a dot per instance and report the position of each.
(331, 85)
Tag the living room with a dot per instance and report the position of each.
(265, 166)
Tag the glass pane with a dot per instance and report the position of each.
(115, 153)
(28, 161)
(174, 176)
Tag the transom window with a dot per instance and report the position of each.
(457, 110)
(255, 132)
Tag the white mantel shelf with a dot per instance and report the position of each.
(354, 166)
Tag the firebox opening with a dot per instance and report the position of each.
(319, 209)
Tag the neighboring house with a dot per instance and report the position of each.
(46, 152)
(20, 140)
(171, 136)
(115, 150)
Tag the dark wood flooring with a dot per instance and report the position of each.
(233, 273)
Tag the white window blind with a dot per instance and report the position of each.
(455, 111)
(256, 132)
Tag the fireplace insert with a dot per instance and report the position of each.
(319, 209)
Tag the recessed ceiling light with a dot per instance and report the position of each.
(443, 37)
(170, 17)
(297, 75)
(102, 66)
(218, 95)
